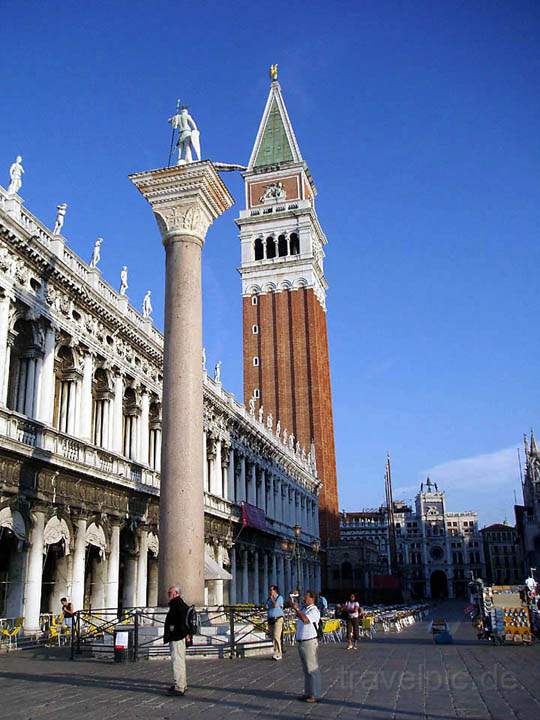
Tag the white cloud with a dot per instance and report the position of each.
(484, 483)
(490, 470)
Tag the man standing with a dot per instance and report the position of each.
(274, 605)
(176, 633)
(307, 621)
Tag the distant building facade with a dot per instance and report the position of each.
(437, 550)
(503, 554)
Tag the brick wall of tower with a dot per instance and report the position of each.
(294, 380)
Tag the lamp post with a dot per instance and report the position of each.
(298, 551)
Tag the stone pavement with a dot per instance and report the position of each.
(402, 676)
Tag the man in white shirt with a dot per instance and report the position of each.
(307, 621)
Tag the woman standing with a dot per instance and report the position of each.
(352, 612)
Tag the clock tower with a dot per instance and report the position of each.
(286, 361)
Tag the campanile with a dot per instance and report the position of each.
(286, 362)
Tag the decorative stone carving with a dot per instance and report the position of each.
(183, 218)
(13, 520)
(217, 372)
(55, 530)
(95, 535)
(153, 544)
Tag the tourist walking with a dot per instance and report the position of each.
(352, 616)
(308, 618)
(274, 606)
(176, 634)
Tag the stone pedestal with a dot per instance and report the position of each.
(186, 200)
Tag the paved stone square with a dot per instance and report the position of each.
(403, 676)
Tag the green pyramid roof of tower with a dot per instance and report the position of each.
(274, 147)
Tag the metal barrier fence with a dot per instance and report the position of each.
(230, 631)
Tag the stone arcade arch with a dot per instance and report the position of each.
(12, 536)
(439, 584)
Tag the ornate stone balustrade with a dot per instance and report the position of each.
(67, 451)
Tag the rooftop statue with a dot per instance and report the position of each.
(123, 280)
(217, 372)
(273, 72)
(96, 253)
(147, 305)
(60, 216)
(188, 136)
(15, 176)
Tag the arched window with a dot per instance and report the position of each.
(23, 368)
(295, 244)
(259, 249)
(282, 246)
(67, 378)
(101, 408)
(270, 247)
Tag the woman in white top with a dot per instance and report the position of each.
(352, 612)
(308, 618)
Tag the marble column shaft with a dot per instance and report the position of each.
(34, 573)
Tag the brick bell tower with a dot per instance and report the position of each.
(286, 362)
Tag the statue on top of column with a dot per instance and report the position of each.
(15, 176)
(188, 136)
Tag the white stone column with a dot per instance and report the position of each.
(225, 464)
(79, 564)
(118, 415)
(152, 582)
(30, 388)
(253, 484)
(287, 585)
(219, 583)
(185, 199)
(5, 303)
(144, 428)
(46, 379)
(113, 569)
(230, 477)
(245, 577)
(85, 426)
(271, 510)
(142, 569)
(215, 480)
(256, 586)
(273, 570)
(266, 583)
(242, 488)
(206, 481)
(32, 590)
(232, 584)
(263, 500)
(281, 574)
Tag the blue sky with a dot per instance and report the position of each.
(420, 124)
